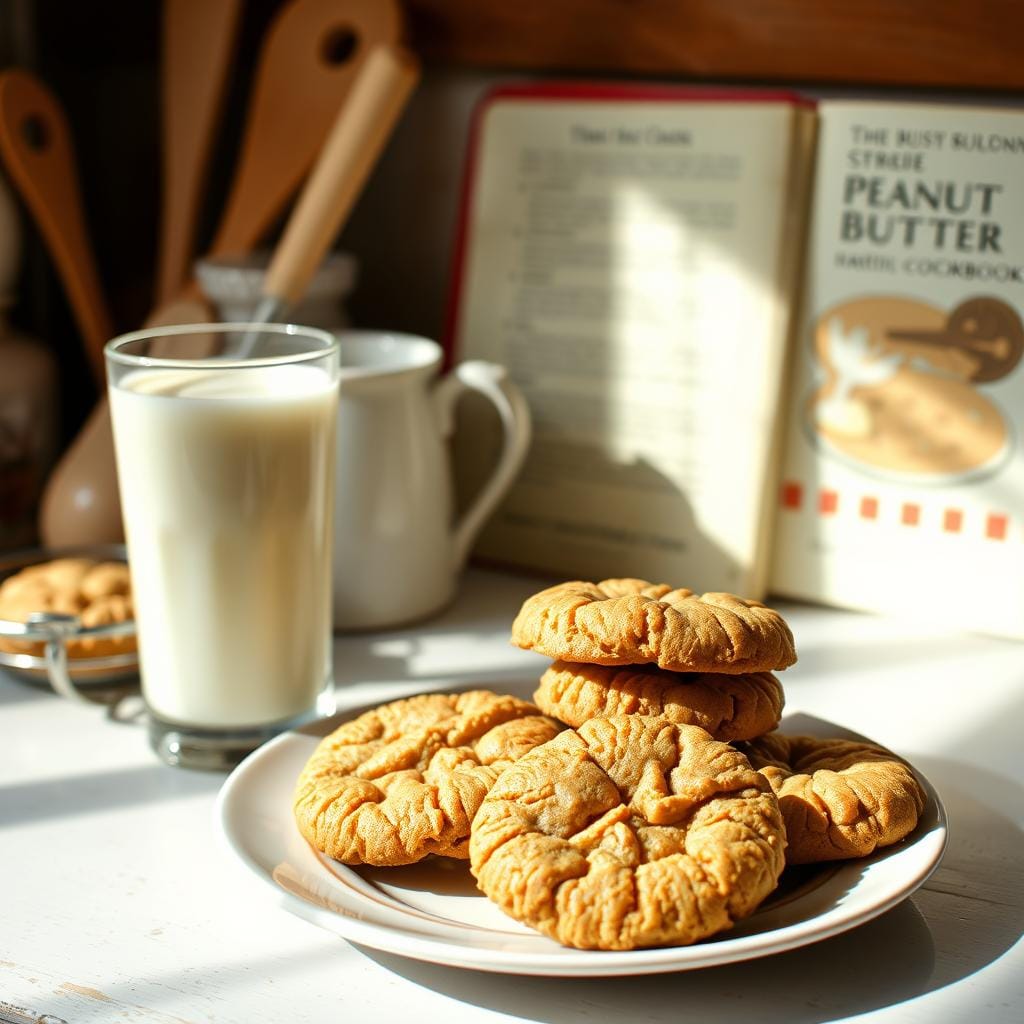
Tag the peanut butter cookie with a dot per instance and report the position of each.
(99, 593)
(633, 622)
(729, 707)
(839, 798)
(629, 832)
(404, 780)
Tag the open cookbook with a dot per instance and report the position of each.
(768, 345)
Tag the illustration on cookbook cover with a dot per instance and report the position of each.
(901, 386)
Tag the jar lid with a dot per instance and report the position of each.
(239, 279)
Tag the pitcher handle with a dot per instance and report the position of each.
(492, 381)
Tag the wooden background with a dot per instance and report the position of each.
(940, 43)
(102, 60)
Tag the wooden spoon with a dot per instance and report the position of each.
(81, 504)
(312, 55)
(353, 147)
(198, 40)
(35, 144)
(300, 84)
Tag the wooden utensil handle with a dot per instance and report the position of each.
(352, 148)
(36, 147)
(197, 40)
(300, 82)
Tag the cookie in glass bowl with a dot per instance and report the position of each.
(97, 592)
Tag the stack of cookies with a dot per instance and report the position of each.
(629, 647)
(645, 800)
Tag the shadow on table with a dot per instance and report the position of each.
(19, 688)
(806, 986)
(823, 657)
(15, 690)
(396, 663)
(72, 795)
(964, 918)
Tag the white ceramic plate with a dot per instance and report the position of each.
(433, 912)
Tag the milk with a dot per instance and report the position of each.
(226, 480)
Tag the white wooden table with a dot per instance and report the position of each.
(118, 905)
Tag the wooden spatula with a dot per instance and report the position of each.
(312, 55)
(36, 147)
(198, 40)
(356, 141)
(81, 504)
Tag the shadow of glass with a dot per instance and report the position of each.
(15, 690)
(21, 689)
(70, 796)
(806, 986)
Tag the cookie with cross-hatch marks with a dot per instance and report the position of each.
(730, 707)
(404, 780)
(839, 798)
(629, 832)
(634, 622)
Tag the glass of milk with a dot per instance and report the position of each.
(224, 435)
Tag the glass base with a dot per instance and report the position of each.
(188, 746)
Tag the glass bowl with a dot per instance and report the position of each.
(55, 666)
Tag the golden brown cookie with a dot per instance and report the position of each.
(99, 593)
(729, 707)
(404, 780)
(839, 798)
(629, 832)
(633, 622)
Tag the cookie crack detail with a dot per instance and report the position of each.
(839, 798)
(628, 621)
(405, 780)
(629, 832)
(734, 706)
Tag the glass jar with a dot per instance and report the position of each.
(234, 285)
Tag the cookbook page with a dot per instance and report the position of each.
(631, 263)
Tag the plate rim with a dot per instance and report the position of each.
(563, 961)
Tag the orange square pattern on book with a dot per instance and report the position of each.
(792, 497)
(792, 494)
(995, 527)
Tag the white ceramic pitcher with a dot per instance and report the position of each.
(397, 549)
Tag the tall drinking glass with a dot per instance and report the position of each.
(224, 435)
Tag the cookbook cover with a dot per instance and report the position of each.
(903, 474)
